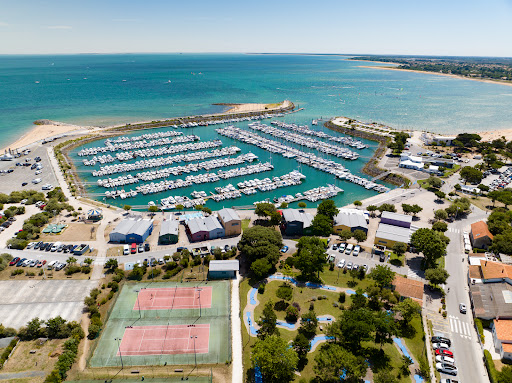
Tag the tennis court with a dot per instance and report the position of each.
(155, 340)
(174, 298)
(158, 329)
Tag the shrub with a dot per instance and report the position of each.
(491, 369)
(261, 288)
(154, 273)
(85, 269)
(114, 286)
(171, 273)
(292, 314)
(16, 272)
(285, 291)
(7, 351)
(480, 328)
(73, 269)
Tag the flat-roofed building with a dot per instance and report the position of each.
(350, 219)
(396, 219)
(223, 269)
(295, 222)
(231, 222)
(132, 230)
(388, 235)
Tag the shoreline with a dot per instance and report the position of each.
(51, 129)
(434, 73)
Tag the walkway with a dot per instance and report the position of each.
(236, 333)
(20, 375)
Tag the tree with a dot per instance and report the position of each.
(310, 258)
(399, 248)
(333, 362)
(153, 209)
(406, 208)
(328, 208)
(502, 243)
(358, 203)
(180, 207)
(285, 292)
(71, 260)
(321, 225)
(384, 376)
(88, 261)
(439, 194)
(283, 205)
(264, 209)
(385, 327)
(440, 226)
(301, 345)
(483, 187)
(302, 205)
(436, 276)
(268, 322)
(261, 242)
(353, 327)
(292, 314)
(308, 324)
(54, 327)
(359, 301)
(260, 268)
(505, 375)
(440, 214)
(127, 207)
(382, 275)
(111, 264)
(345, 234)
(407, 309)
(275, 359)
(470, 174)
(434, 182)
(372, 209)
(387, 207)
(33, 329)
(359, 235)
(430, 243)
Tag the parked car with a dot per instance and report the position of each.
(349, 266)
(446, 368)
(284, 249)
(161, 261)
(31, 245)
(26, 262)
(335, 246)
(365, 268)
(356, 251)
(349, 248)
(436, 346)
(441, 339)
(449, 381)
(341, 249)
(341, 264)
(443, 351)
(445, 359)
(48, 246)
(20, 262)
(41, 263)
(24, 183)
(33, 263)
(14, 261)
(146, 247)
(355, 267)
(141, 248)
(133, 248)
(462, 308)
(60, 266)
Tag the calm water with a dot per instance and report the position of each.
(89, 89)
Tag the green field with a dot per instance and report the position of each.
(123, 315)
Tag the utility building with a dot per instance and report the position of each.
(231, 222)
(223, 269)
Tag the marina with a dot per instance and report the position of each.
(136, 166)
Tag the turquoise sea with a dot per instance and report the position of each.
(108, 89)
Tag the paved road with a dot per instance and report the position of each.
(460, 327)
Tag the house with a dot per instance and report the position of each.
(468, 189)
(350, 219)
(480, 236)
(140, 231)
(502, 337)
(169, 232)
(223, 269)
(295, 222)
(132, 230)
(396, 219)
(409, 288)
(410, 162)
(201, 229)
(388, 235)
(231, 222)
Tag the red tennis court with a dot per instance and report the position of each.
(174, 298)
(158, 340)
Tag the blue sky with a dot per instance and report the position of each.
(448, 27)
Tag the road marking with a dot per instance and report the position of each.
(451, 324)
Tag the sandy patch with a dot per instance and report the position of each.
(244, 108)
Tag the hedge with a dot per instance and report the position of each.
(491, 368)
(7, 352)
(480, 328)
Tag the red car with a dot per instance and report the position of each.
(444, 352)
(14, 261)
(41, 263)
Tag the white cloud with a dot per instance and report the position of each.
(59, 27)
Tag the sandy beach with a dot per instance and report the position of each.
(437, 74)
(243, 108)
(42, 132)
(495, 134)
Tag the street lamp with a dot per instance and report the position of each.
(195, 354)
(119, 349)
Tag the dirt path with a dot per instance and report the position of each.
(82, 362)
(236, 330)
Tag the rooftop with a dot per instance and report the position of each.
(141, 226)
(479, 229)
(169, 227)
(351, 218)
(393, 233)
(229, 265)
(491, 300)
(396, 216)
(409, 288)
(228, 215)
(503, 329)
(495, 270)
(291, 215)
(124, 226)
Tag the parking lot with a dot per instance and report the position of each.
(25, 300)
(12, 181)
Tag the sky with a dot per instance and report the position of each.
(435, 27)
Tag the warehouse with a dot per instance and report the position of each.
(223, 269)
(388, 235)
(350, 219)
(295, 222)
(396, 219)
(132, 230)
(231, 222)
(201, 229)
(169, 232)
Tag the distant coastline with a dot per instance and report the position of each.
(507, 83)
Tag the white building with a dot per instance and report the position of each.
(429, 139)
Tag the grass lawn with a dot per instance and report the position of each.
(416, 343)
(396, 260)
(448, 172)
(245, 223)
(423, 183)
(340, 279)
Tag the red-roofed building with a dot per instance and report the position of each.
(480, 236)
(502, 336)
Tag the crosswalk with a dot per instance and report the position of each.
(453, 230)
(99, 261)
(412, 274)
(460, 327)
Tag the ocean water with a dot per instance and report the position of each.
(109, 89)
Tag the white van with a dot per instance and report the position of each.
(349, 248)
(126, 249)
(51, 264)
(55, 246)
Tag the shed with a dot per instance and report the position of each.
(223, 269)
(396, 219)
(388, 235)
(169, 232)
(351, 219)
(295, 222)
(231, 222)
